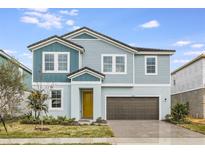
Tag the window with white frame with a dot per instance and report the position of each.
(56, 99)
(62, 62)
(49, 62)
(120, 64)
(151, 65)
(107, 64)
(114, 64)
(54, 62)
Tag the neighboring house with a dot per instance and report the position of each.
(4, 57)
(91, 75)
(188, 86)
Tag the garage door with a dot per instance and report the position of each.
(132, 108)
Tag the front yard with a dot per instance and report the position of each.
(17, 130)
(197, 125)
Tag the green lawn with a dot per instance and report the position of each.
(195, 126)
(17, 130)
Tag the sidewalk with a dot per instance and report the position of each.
(114, 141)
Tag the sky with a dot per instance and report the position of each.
(179, 29)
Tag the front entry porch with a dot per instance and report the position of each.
(86, 94)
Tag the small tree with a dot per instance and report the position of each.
(179, 112)
(11, 88)
(36, 102)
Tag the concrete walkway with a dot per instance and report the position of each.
(114, 141)
(150, 129)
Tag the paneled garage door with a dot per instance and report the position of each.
(132, 108)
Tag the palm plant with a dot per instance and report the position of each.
(37, 103)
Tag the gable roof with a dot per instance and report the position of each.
(152, 49)
(189, 63)
(86, 70)
(54, 38)
(5, 55)
(133, 49)
(97, 34)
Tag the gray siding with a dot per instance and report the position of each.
(92, 58)
(86, 77)
(38, 76)
(84, 36)
(163, 76)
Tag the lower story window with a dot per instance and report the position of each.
(56, 99)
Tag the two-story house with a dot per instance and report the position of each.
(93, 75)
(188, 86)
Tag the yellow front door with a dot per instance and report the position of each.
(87, 104)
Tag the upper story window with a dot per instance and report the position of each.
(62, 62)
(49, 62)
(150, 65)
(54, 62)
(114, 64)
(56, 99)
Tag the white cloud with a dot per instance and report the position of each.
(28, 55)
(76, 27)
(38, 9)
(197, 45)
(70, 22)
(182, 43)
(45, 20)
(182, 61)
(190, 53)
(72, 12)
(150, 24)
(28, 19)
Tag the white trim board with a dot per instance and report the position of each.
(159, 96)
(187, 90)
(155, 53)
(86, 71)
(104, 84)
(53, 40)
(134, 85)
(50, 83)
(85, 82)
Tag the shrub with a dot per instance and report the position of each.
(50, 120)
(100, 120)
(61, 118)
(178, 113)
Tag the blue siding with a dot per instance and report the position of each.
(38, 76)
(86, 77)
(84, 36)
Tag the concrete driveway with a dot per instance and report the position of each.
(149, 129)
